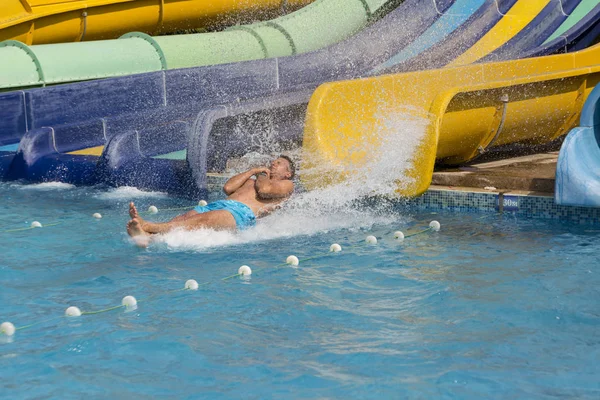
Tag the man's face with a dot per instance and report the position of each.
(280, 169)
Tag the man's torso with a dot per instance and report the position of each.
(247, 194)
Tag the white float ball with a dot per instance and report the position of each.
(292, 260)
(152, 209)
(7, 328)
(434, 225)
(399, 236)
(97, 215)
(191, 284)
(202, 203)
(73, 312)
(36, 224)
(129, 301)
(335, 248)
(245, 270)
(371, 239)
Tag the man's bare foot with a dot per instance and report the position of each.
(133, 212)
(137, 233)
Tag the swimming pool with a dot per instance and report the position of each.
(490, 307)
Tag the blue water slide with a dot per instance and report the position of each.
(130, 103)
(578, 167)
(536, 32)
(480, 18)
(122, 104)
(127, 160)
(40, 153)
(580, 35)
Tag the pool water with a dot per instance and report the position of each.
(490, 307)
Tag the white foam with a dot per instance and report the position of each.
(48, 186)
(128, 192)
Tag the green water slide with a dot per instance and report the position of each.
(317, 25)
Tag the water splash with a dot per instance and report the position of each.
(48, 186)
(128, 193)
(343, 205)
(389, 151)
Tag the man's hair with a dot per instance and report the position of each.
(291, 163)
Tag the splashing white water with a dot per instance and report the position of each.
(385, 165)
(48, 186)
(127, 193)
(338, 206)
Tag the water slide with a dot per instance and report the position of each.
(467, 110)
(86, 114)
(155, 131)
(578, 168)
(60, 21)
(312, 27)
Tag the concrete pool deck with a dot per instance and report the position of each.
(521, 185)
(533, 173)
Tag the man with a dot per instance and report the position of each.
(247, 200)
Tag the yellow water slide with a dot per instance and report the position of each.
(60, 21)
(465, 110)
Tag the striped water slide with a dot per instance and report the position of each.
(456, 16)
(454, 42)
(551, 18)
(514, 20)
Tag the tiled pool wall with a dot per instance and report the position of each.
(520, 204)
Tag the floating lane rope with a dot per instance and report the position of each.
(129, 303)
(34, 225)
(434, 226)
(97, 215)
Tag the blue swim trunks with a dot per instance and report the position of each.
(243, 215)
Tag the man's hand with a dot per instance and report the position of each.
(235, 182)
(261, 170)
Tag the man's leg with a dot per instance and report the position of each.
(133, 213)
(217, 219)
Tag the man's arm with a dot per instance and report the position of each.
(269, 189)
(236, 181)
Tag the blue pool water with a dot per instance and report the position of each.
(489, 307)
